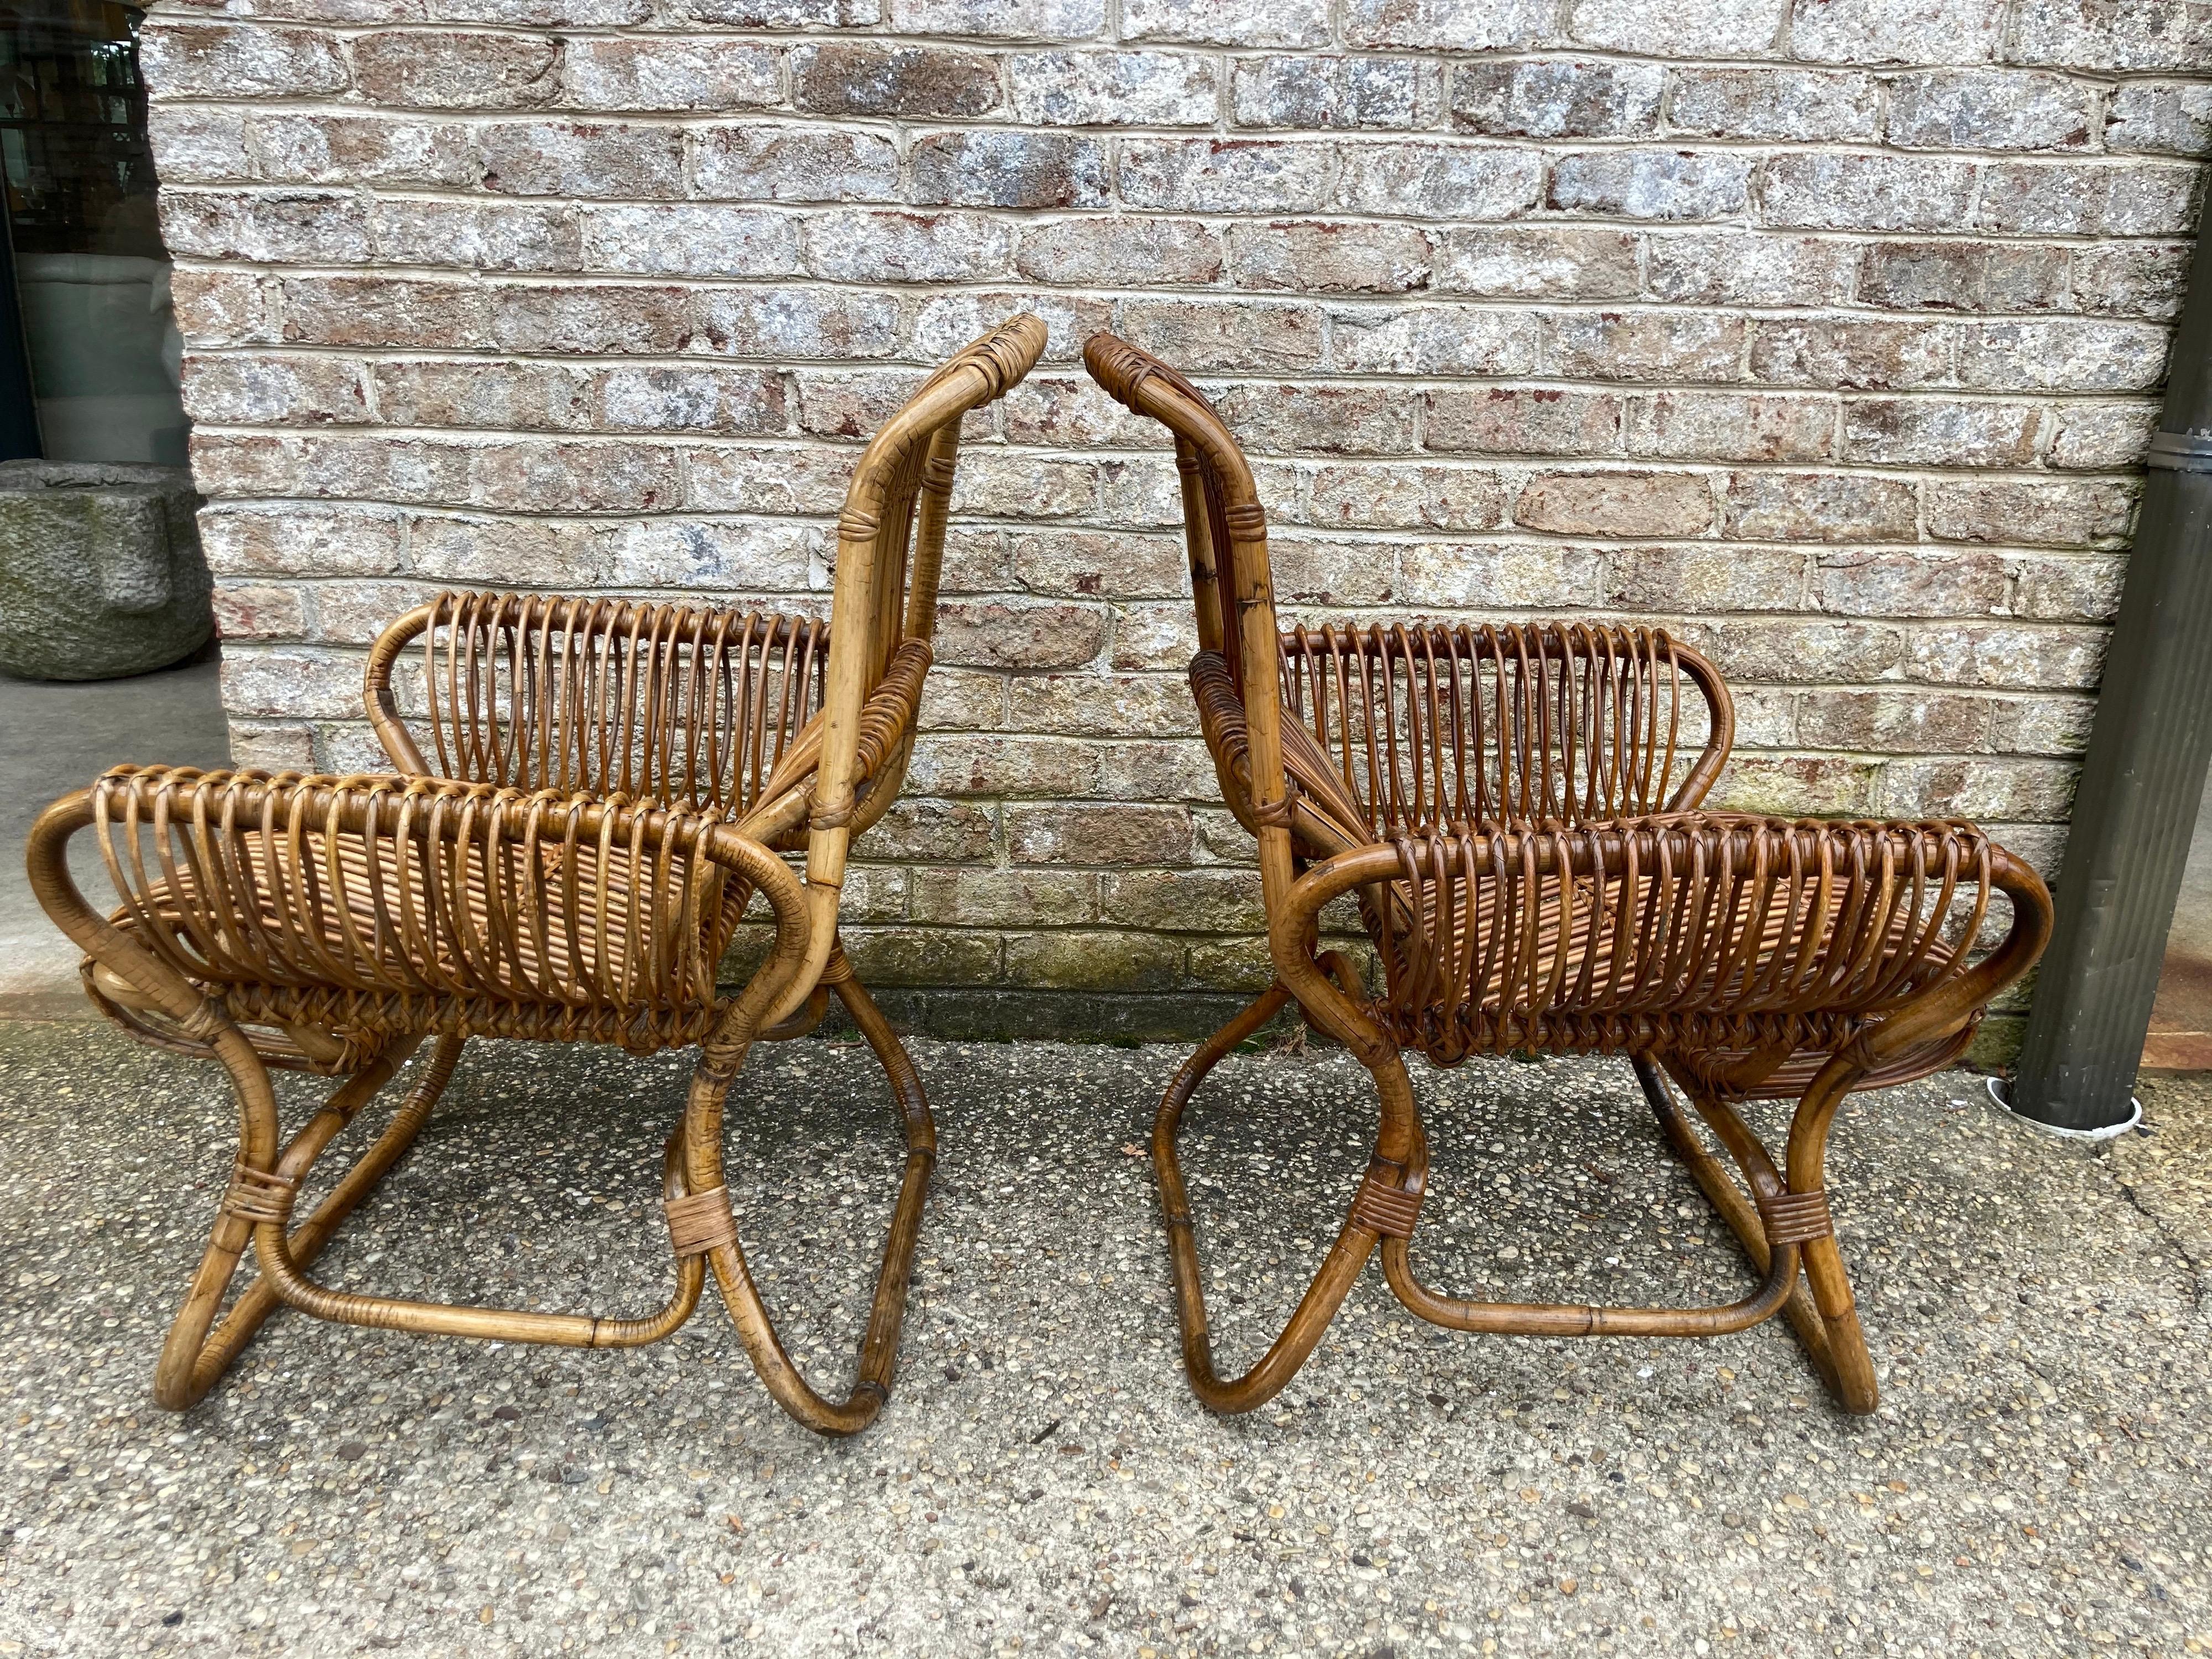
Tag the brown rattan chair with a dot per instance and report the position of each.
(1514, 809)
(608, 785)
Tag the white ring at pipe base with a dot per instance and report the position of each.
(2110, 1131)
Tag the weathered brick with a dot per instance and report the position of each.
(1990, 109)
(1332, 420)
(1927, 431)
(355, 613)
(1437, 181)
(2131, 279)
(1651, 184)
(452, 69)
(1024, 20)
(2064, 355)
(1001, 483)
(1556, 98)
(1705, 580)
(1189, 900)
(1151, 637)
(1820, 506)
(944, 322)
(1798, 786)
(1896, 31)
(2099, 436)
(1395, 494)
(1112, 88)
(2097, 35)
(907, 247)
(2068, 514)
(1983, 788)
(786, 14)
(588, 317)
(1961, 276)
(477, 236)
(2067, 588)
(1168, 769)
(1725, 426)
(2014, 656)
(296, 683)
(922, 956)
(330, 466)
(354, 149)
(296, 538)
(1330, 574)
(1018, 633)
(1090, 959)
(192, 144)
(1492, 576)
(891, 78)
(1454, 25)
(1533, 262)
(2166, 119)
(1617, 504)
(2048, 724)
(550, 476)
(380, 311)
(266, 227)
(701, 397)
(1112, 249)
(2088, 198)
(917, 828)
(473, 548)
(1536, 420)
(1732, 268)
(1647, 345)
(852, 405)
(1008, 170)
(260, 390)
(1434, 340)
(1326, 256)
(783, 163)
(1870, 356)
(976, 562)
(577, 158)
(1803, 106)
(1072, 563)
(780, 324)
(690, 556)
(809, 478)
(1917, 583)
(1102, 706)
(183, 59)
(1322, 94)
(629, 72)
(970, 897)
(1241, 965)
(1071, 832)
(1906, 720)
(273, 746)
(690, 240)
(1244, 335)
(1228, 22)
(1223, 175)
(1801, 650)
(1866, 192)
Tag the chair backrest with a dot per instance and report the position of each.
(1525, 724)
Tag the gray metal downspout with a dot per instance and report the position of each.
(2137, 803)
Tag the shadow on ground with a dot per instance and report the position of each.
(2035, 1481)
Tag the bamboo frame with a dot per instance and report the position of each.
(1518, 811)
(609, 784)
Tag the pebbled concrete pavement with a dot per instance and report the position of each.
(2034, 1483)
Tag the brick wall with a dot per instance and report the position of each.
(1828, 334)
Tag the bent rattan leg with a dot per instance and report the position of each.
(192, 1358)
(1728, 1199)
(879, 1354)
(1339, 1270)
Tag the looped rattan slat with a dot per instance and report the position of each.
(1515, 808)
(588, 792)
(701, 1222)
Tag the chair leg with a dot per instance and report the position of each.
(1820, 1309)
(878, 1353)
(1331, 1283)
(193, 1357)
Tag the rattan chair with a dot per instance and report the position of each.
(607, 785)
(1513, 808)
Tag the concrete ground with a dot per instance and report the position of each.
(55, 737)
(2034, 1482)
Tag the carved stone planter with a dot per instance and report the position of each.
(100, 571)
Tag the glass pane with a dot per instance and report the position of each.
(91, 275)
